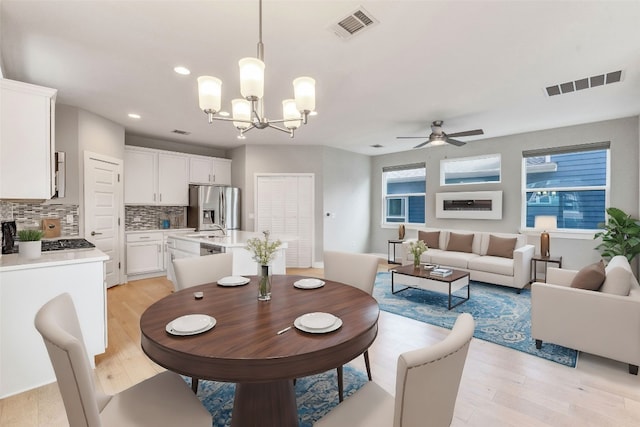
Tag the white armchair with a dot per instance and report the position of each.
(596, 322)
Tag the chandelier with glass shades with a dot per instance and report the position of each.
(248, 113)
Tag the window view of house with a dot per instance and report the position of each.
(404, 190)
(470, 170)
(572, 186)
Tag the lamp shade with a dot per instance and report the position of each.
(546, 222)
(251, 78)
(209, 93)
(290, 114)
(241, 109)
(304, 89)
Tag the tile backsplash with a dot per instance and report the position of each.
(149, 217)
(29, 215)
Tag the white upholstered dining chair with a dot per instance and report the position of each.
(162, 400)
(427, 383)
(359, 271)
(200, 270)
(196, 271)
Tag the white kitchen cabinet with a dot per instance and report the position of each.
(27, 141)
(222, 171)
(209, 170)
(145, 253)
(154, 177)
(25, 286)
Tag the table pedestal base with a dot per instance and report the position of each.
(265, 405)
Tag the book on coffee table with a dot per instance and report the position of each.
(441, 272)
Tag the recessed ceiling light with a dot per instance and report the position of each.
(134, 116)
(224, 113)
(313, 113)
(182, 70)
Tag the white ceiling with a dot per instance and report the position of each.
(473, 64)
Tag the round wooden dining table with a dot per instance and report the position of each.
(243, 347)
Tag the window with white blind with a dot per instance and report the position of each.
(404, 193)
(570, 183)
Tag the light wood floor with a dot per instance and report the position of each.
(500, 386)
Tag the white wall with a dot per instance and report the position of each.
(625, 184)
(346, 200)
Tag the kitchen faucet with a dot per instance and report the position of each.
(220, 228)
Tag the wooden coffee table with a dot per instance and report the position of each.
(421, 278)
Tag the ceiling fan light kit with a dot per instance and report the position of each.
(248, 112)
(438, 137)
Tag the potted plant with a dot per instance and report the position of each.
(417, 248)
(621, 235)
(30, 246)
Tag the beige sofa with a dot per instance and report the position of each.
(605, 322)
(500, 270)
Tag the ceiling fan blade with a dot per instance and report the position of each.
(411, 137)
(423, 144)
(467, 133)
(455, 142)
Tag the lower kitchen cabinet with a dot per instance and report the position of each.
(25, 286)
(145, 253)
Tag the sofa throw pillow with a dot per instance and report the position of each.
(501, 246)
(430, 238)
(618, 277)
(460, 242)
(590, 277)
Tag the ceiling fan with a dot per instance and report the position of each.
(438, 137)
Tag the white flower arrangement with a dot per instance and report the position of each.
(264, 251)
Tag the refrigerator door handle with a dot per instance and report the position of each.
(223, 210)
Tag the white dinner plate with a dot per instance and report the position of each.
(317, 320)
(233, 281)
(191, 324)
(308, 283)
(336, 325)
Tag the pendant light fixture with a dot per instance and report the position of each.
(248, 111)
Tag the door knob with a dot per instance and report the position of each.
(93, 233)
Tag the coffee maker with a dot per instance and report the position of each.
(9, 232)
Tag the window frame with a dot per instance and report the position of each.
(385, 198)
(444, 162)
(597, 146)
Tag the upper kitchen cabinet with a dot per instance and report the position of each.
(209, 170)
(27, 141)
(153, 177)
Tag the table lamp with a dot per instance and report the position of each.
(544, 223)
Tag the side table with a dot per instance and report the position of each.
(546, 259)
(391, 248)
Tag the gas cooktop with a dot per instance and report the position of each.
(58, 245)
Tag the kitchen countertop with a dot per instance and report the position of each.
(234, 238)
(14, 262)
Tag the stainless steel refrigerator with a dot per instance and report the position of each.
(213, 204)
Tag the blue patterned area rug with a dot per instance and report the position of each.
(315, 395)
(502, 315)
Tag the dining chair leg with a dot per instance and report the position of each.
(340, 385)
(366, 363)
(194, 385)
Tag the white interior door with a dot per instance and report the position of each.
(102, 205)
(284, 206)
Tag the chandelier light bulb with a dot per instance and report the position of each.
(251, 78)
(210, 93)
(241, 110)
(304, 89)
(290, 114)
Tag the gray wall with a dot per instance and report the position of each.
(576, 252)
(346, 196)
(169, 145)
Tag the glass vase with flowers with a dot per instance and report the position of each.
(417, 248)
(264, 252)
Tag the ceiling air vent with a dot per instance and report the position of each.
(181, 132)
(353, 23)
(585, 83)
(377, 146)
